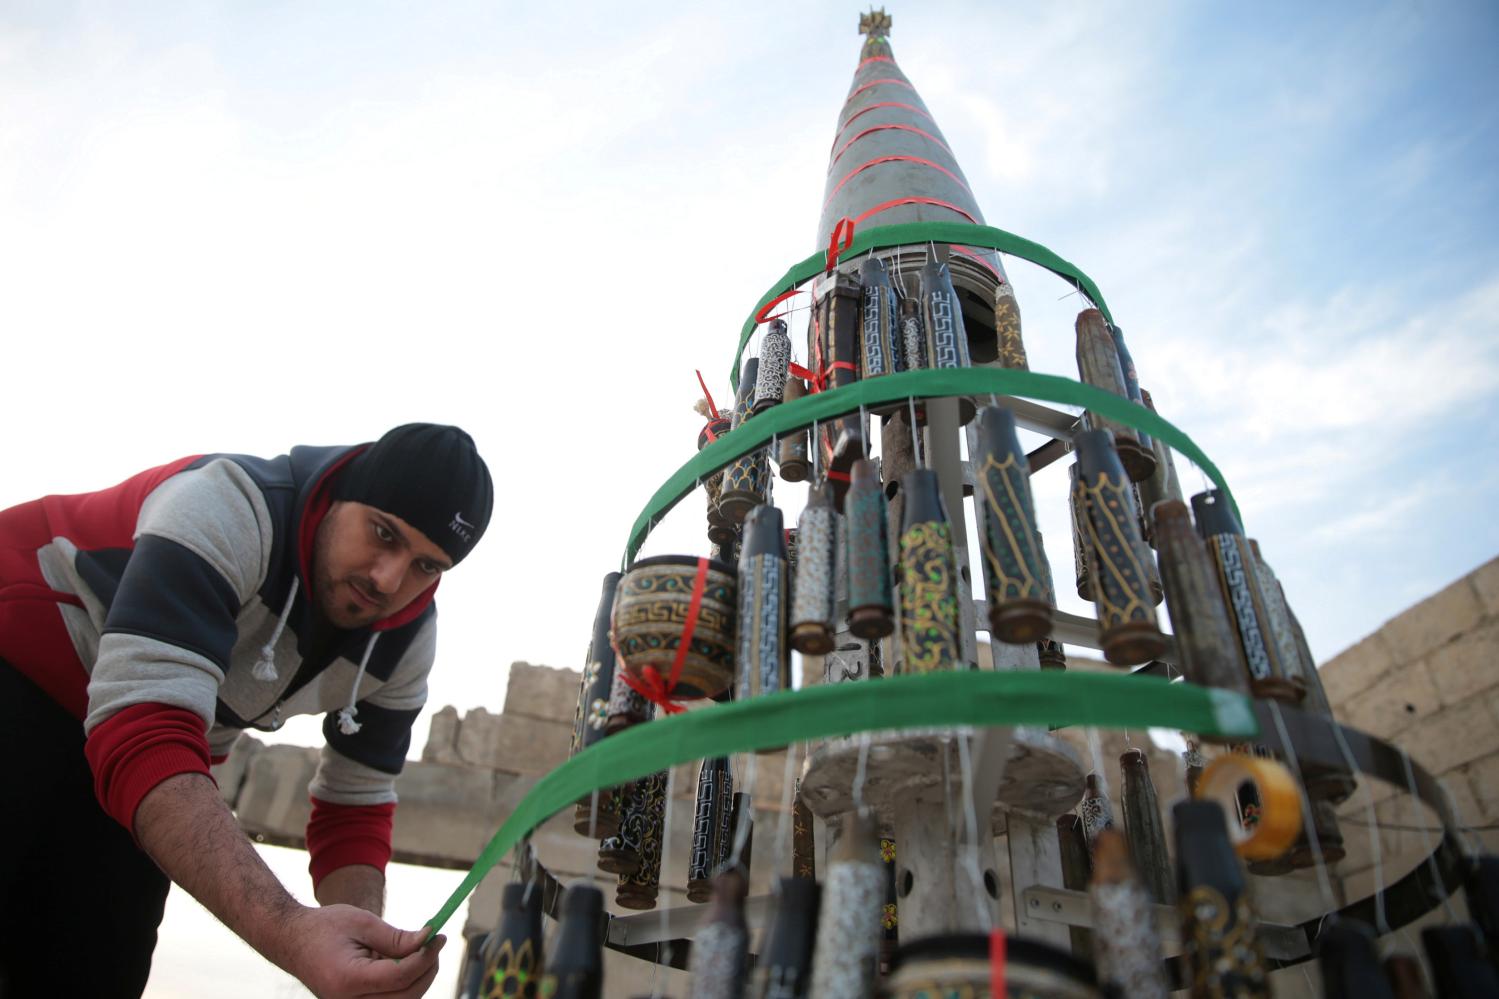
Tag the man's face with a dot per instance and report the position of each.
(368, 564)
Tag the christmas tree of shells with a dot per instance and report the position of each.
(916, 551)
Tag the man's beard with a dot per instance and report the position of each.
(346, 613)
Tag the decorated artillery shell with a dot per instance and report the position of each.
(1457, 963)
(1163, 483)
(1329, 839)
(512, 958)
(848, 927)
(1096, 809)
(878, 323)
(1147, 559)
(1046, 581)
(746, 479)
(1323, 782)
(1082, 558)
(1007, 328)
(1217, 924)
(775, 356)
(1238, 582)
(597, 816)
(784, 967)
(720, 948)
(643, 827)
(762, 662)
(812, 618)
(575, 969)
(928, 588)
(1131, 379)
(1406, 979)
(1144, 829)
(620, 853)
(1350, 963)
(1014, 573)
(1207, 648)
(741, 836)
(1051, 655)
(1481, 885)
(942, 314)
(1194, 763)
(1121, 591)
(1098, 365)
(721, 529)
(835, 357)
(912, 335)
(627, 706)
(791, 447)
(592, 717)
(1077, 871)
(1276, 622)
(890, 914)
(803, 840)
(871, 612)
(710, 827)
(1126, 944)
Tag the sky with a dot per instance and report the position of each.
(232, 227)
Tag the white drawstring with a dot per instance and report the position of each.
(265, 666)
(346, 723)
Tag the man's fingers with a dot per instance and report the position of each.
(401, 943)
(396, 977)
(420, 986)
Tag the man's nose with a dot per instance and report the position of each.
(388, 573)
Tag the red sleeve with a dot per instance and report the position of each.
(340, 835)
(137, 748)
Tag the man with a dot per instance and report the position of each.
(170, 612)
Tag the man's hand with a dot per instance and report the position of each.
(341, 951)
(337, 951)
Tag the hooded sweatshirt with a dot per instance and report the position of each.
(174, 610)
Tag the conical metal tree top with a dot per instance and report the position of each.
(890, 164)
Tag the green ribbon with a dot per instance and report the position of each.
(925, 384)
(915, 233)
(979, 698)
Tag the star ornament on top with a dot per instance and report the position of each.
(875, 24)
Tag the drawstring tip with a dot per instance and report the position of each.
(346, 723)
(265, 669)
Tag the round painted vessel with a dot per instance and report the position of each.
(650, 615)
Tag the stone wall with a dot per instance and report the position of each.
(1427, 681)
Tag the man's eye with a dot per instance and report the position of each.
(384, 534)
(430, 568)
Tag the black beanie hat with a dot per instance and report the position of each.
(431, 477)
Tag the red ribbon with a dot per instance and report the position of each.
(712, 409)
(997, 963)
(836, 247)
(650, 685)
(763, 316)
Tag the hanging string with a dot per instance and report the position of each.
(783, 821)
(970, 818)
(742, 830)
(593, 835)
(861, 770)
(1436, 875)
(915, 433)
(1324, 883)
(662, 878)
(1375, 847)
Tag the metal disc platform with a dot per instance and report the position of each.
(1042, 774)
